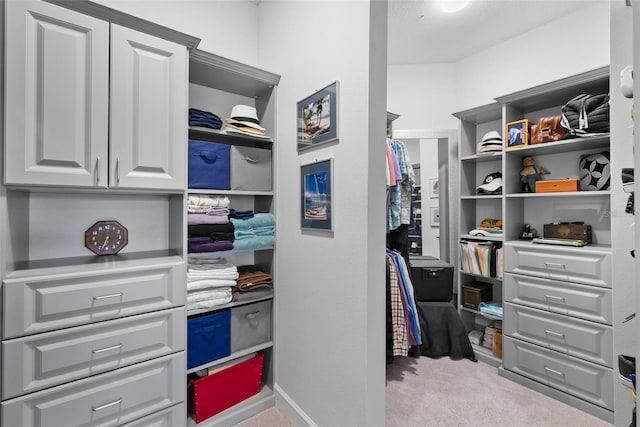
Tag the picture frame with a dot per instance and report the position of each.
(517, 133)
(434, 188)
(316, 195)
(434, 216)
(317, 117)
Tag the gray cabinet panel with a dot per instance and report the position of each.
(45, 360)
(58, 66)
(586, 265)
(148, 111)
(576, 337)
(585, 380)
(107, 399)
(171, 417)
(250, 325)
(39, 304)
(586, 302)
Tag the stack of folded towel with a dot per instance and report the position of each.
(204, 119)
(209, 229)
(255, 232)
(250, 278)
(210, 282)
(492, 308)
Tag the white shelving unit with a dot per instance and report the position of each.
(217, 84)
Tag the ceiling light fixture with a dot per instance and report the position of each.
(451, 6)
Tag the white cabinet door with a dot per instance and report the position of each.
(57, 88)
(148, 111)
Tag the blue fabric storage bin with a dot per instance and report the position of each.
(208, 338)
(209, 165)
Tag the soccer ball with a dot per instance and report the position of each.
(595, 172)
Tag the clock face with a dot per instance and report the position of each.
(106, 237)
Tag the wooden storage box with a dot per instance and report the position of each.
(556, 185)
(476, 292)
(212, 394)
(567, 231)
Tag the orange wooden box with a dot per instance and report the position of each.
(556, 185)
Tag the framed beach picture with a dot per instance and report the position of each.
(434, 188)
(316, 191)
(435, 216)
(318, 118)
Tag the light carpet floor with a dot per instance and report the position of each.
(425, 392)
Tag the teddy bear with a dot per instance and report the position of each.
(530, 173)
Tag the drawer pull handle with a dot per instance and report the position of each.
(555, 265)
(118, 295)
(553, 371)
(102, 350)
(253, 315)
(554, 297)
(557, 334)
(98, 170)
(106, 405)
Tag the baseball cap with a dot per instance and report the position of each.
(492, 184)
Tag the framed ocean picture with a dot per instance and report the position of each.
(316, 191)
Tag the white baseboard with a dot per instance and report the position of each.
(290, 409)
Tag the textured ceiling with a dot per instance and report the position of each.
(420, 33)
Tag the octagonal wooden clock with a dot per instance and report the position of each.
(106, 237)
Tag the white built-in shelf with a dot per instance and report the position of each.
(562, 194)
(493, 156)
(230, 192)
(486, 355)
(488, 316)
(239, 298)
(224, 137)
(232, 356)
(596, 247)
(482, 197)
(596, 142)
(483, 238)
(245, 409)
(484, 278)
(85, 264)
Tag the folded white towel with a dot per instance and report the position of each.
(209, 283)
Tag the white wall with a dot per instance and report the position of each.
(227, 28)
(330, 290)
(423, 95)
(622, 224)
(569, 45)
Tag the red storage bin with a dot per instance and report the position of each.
(214, 393)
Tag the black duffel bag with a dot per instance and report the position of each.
(586, 114)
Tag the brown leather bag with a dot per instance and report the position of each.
(548, 129)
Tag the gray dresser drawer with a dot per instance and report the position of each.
(45, 303)
(588, 381)
(250, 325)
(575, 337)
(171, 417)
(113, 398)
(586, 265)
(586, 302)
(45, 360)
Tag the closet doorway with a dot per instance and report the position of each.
(434, 157)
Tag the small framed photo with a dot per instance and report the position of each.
(434, 188)
(434, 219)
(316, 192)
(318, 118)
(517, 133)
